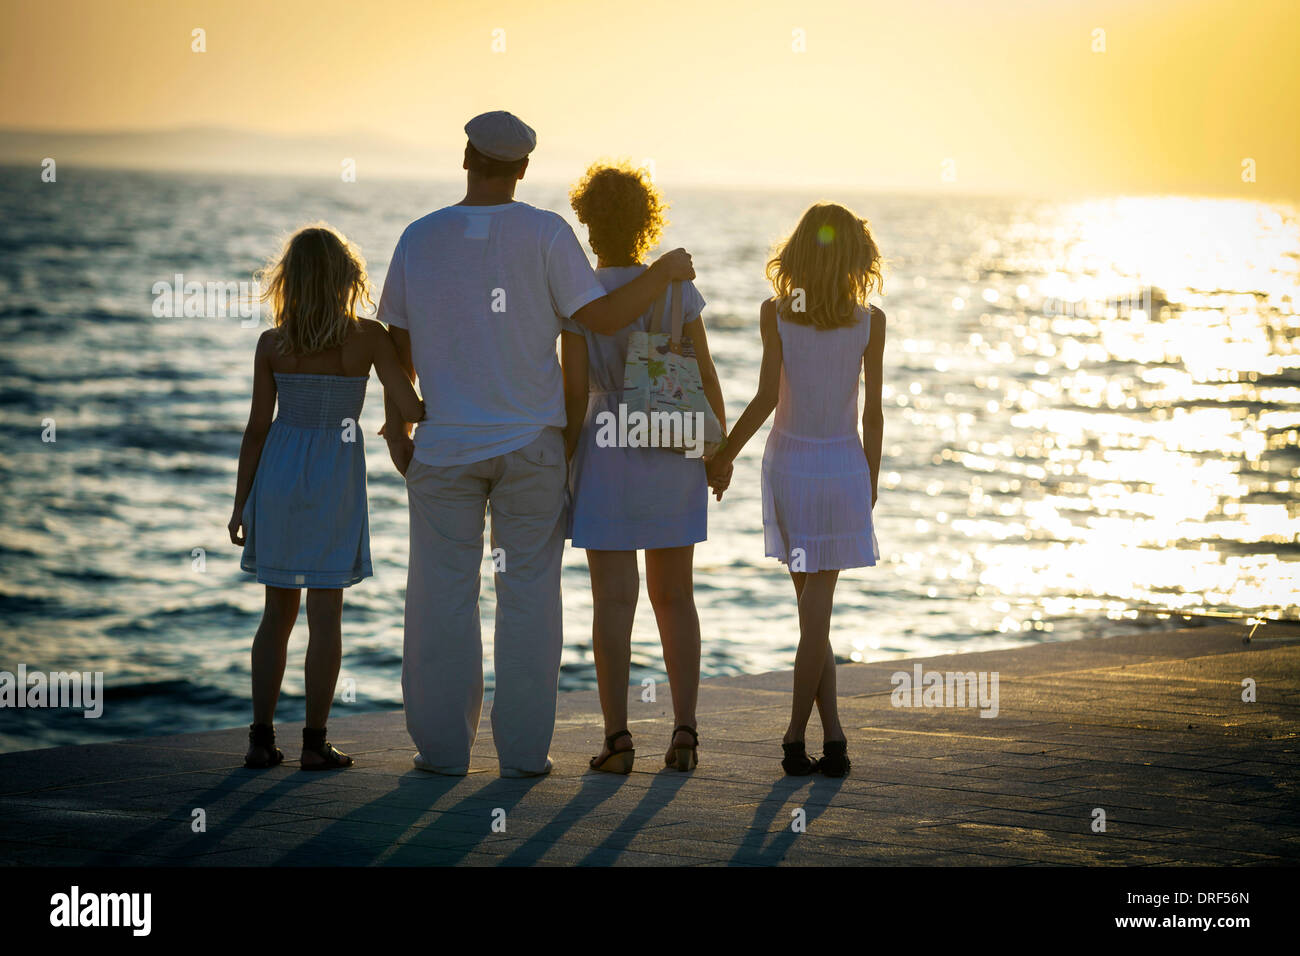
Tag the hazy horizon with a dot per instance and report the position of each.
(1005, 97)
(386, 159)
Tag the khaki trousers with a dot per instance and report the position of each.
(442, 659)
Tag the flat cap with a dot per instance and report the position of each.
(501, 135)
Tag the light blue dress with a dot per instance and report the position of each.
(628, 499)
(306, 523)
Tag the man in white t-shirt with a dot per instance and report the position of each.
(474, 298)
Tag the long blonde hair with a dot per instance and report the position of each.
(314, 289)
(828, 265)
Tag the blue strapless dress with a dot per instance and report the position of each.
(306, 523)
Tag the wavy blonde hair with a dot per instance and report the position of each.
(622, 209)
(314, 289)
(833, 260)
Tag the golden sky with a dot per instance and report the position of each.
(1010, 92)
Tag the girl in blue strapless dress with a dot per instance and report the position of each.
(300, 500)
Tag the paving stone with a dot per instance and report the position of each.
(1148, 726)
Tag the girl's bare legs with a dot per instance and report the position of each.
(816, 599)
(324, 651)
(668, 577)
(614, 587)
(324, 657)
(270, 646)
(827, 710)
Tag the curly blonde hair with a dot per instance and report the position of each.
(832, 259)
(622, 210)
(314, 289)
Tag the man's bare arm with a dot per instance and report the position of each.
(397, 430)
(616, 309)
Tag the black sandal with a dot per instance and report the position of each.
(835, 759)
(262, 737)
(796, 762)
(683, 758)
(618, 761)
(313, 741)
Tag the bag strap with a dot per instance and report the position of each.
(677, 314)
(657, 320)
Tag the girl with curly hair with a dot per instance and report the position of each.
(630, 499)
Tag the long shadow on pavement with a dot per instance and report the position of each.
(149, 840)
(658, 796)
(752, 850)
(450, 836)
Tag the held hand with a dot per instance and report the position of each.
(400, 430)
(234, 526)
(719, 475)
(401, 450)
(676, 265)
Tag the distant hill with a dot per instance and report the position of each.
(219, 149)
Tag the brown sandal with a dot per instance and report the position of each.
(618, 761)
(262, 737)
(683, 758)
(313, 741)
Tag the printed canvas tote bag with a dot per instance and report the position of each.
(662, 377)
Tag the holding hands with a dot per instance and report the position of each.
(719, 469)
(401, 448)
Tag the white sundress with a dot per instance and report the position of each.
(816, 481)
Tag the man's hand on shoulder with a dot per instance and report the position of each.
(675, 266)
(622, 305)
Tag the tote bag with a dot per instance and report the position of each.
(661, 380)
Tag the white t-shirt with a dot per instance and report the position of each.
(482, 291)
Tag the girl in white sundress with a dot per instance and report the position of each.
(819, 475)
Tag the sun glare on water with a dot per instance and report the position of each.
(1143, 354)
